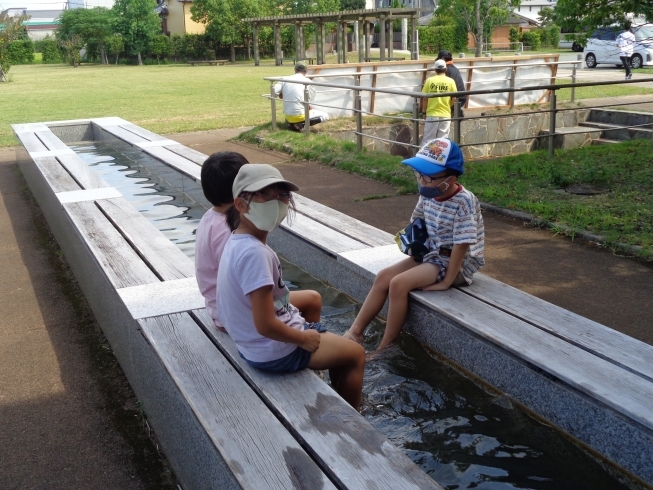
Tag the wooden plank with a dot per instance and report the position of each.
(55, 175)
(613, 346)
(159, 252)
(31, 142)
(611, 385)
(188, 153)
(346, 225)
(122, 266)
(51, 141)
(323, 237)
(258, 449)
(172, 159)
(343, 443)
(81, 172)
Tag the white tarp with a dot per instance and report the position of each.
(486, 73)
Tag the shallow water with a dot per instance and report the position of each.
(461, 435)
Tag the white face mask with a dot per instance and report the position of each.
(267, 216)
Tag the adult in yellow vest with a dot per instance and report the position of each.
(438, 109)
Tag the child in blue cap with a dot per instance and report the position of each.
(455, 240)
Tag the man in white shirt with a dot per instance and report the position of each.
(626, 43)
(292, 95)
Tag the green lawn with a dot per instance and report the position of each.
(162, 98)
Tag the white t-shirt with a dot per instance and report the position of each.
(626, 43)
(211, 237)
(293, 95)
(454, 221)
(248, 264)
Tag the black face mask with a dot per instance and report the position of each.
(432, 192)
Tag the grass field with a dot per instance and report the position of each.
(164, 99)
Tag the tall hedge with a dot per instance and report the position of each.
(432, 39)
(49, 49)
(21, 51)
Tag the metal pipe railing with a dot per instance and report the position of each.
(456, 119)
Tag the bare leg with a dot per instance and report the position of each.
(376, 298)
(400, 286)
(308, 302)
(346, 363)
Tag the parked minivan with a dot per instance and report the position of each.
(602, 47)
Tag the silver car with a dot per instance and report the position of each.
(602, 47)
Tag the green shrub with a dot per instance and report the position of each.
(513, 36)
(549, 36)
(21, 52)
(48, 47)
(531, 39)
(433, 39)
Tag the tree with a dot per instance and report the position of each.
(137, 23)
(72, 47)
(352, 4)
(91, 26)
(115, 45)
(583, 16)
(11, 28)
(479, 16)
(160, 46)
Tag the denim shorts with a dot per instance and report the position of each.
(295, 361)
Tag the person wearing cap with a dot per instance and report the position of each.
(438, 109)
(292, 95)
(453, 73)
(452, 215)
(253, 302)
(217, 177)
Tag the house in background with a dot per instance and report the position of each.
(176, 18)
(501, 34)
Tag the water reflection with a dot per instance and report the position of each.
(458, 433)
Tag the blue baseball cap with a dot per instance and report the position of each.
(436, 156)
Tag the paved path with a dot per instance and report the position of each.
(64, 414)
(68, 419)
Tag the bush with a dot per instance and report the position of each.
(48, 47)
(531, 39)
(549, 36)
(21, 52)
(513, 36)
(433, 39)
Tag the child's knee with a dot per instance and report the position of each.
(398, 287)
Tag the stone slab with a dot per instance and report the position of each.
(88, 195)
(162, 298)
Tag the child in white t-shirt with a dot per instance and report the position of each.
(455, 240)
(217, 177)
(253, 300)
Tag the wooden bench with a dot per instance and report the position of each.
(587, 379)
(311, 61)
(221, 423)
(209, 62)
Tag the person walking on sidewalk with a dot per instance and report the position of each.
(453, 73)
(292, 95)
(626, 43)
(438, 109)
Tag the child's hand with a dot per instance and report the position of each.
(438, 286)
(310, 340)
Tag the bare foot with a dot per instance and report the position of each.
(354, 338)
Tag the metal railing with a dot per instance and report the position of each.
(456, 120)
